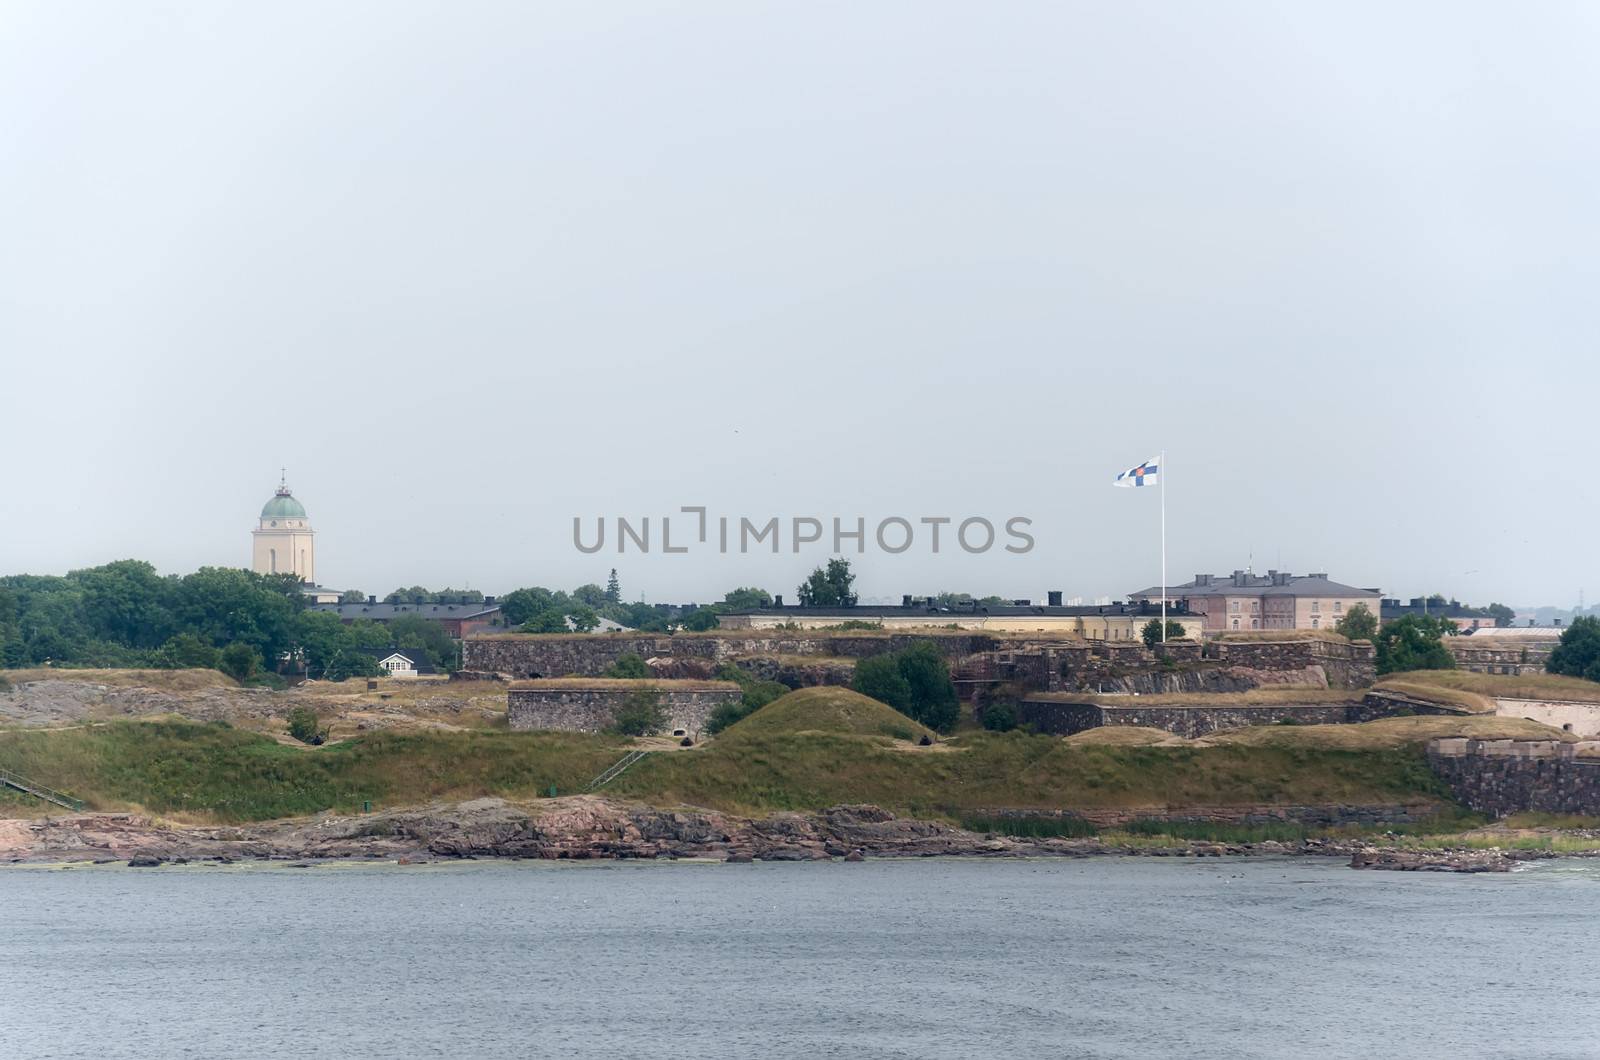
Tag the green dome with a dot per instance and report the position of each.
(283, 506)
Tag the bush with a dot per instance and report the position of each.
(1415, 642)
(1000, 717)
(186, 651)
(1151, 633)
(239, 661)
(629, 666)
(700, 619)
(346, 664)
(757, 694)
(879, 676)
(639, 715)
(1578, 654)
(1358, 623)
(916, 682)
(304, 726)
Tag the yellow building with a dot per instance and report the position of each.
(283, 539)
(1119, 621)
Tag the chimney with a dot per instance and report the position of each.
(777, 601)
(905, 601)
(1557, 621)
(372, 599)
(1055, 597)
(1202, 581)
(487, 600)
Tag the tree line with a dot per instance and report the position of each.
(249, 625)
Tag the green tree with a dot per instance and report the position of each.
(1151, 632)
(553, 620)
(414, 631)
(1000, 717)
(319, 635)
(590, 595)
(639, 714)
(584, 619)
(305, 726)
(1503, 615)
(746, 598)
(700, 619)
(520, 605)
(224, 605)
(1358, 623)
(239, 661)
(613, 588)
(185, 651)
(829, 587)
(1414, 642)
(933, 694)
(350, 662)
(126, 602)
(352, 596)
(414, 595)
(1578, 654)
(879, 676)
(629, 667)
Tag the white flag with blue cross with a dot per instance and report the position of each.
(1143, 475)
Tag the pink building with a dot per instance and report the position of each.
(1275, 600)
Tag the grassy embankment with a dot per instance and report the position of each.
(215, 772)
(1501, 686)
(808, 750)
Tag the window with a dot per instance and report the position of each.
(1338, 605)
(1236, 623)
(1316, 623)
(1233, 605)
(1255, 606)
(1255, 623)
(1316, 607)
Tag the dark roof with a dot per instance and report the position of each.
(1271, 584)
(384, 612)
(419, 658)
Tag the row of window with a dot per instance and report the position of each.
(1255, 607)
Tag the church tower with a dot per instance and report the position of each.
(283, 542)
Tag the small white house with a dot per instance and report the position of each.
(402, 662)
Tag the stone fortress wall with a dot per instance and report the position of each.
(569, 706)
(1502, 777)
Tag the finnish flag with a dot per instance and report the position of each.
(1143, 475)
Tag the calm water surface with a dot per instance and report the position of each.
(1100, 958)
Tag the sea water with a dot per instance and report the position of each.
(1134, 957)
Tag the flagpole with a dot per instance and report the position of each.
(1162, 485)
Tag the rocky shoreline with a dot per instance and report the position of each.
(590, 827)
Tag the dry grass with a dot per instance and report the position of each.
(1471, 702)
(1503, 686)
(163, 680)
(1255, 697)
(1385, 734)
(1125, 736)
(827, 709)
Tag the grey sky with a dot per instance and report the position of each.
(470, 270)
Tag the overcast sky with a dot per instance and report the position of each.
(471, 270)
